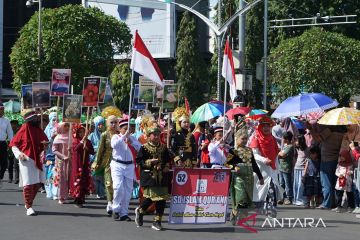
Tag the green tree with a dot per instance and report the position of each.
(318, 61)
(190, 68)
(120, 81)
(83, 39)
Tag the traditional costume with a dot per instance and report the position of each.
(27, 146)
(50, 131)
(98, 176)
(103, 159)
(61, 149)
(81, 183)
(123, 171)
(241, 160)
(154, 178)
(183, 145)
(264, 147)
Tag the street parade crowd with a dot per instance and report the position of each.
(291, 161)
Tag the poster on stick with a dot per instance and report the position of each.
(159, 94)
(199, 196)
(26, 95)
(91, 91)
(41, 94)
(60, 82)
(170, 97)
(102, 89)
(72, 108)
(146, 90)
(135, 103)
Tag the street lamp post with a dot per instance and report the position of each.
(29, 3)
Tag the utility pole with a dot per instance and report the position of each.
(242, 23)
(265, 51)
(218, 41)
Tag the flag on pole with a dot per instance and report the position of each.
(143, 63)
(228, 71)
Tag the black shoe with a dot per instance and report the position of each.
(10, 181)
(116, 216)
(138, 217)
(157, 226)
(16, 181)
(125, 218)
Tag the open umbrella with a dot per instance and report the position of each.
(256, 113)
(237, 111)
(12, 106)
(341, 116)
(303, 104)
(207, 111)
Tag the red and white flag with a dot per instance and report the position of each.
(143, 63)
(228, 71)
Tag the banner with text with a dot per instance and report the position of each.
(199, 196)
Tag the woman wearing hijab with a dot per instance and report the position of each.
(61, 149)
(27, 145)
(94, 137)
(81, 183)
(103, 158)
(265, 150)
(50, 131)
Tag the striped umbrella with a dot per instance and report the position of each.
(207, 111)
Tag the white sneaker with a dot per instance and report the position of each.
(357, 216)
(109, 208)
(30, 212)
(337, 209)
(356, 210)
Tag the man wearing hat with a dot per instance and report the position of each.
(27, 145)
(6, 133)
(154, 161)
(183, 145)
(122, 167)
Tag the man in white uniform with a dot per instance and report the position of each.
(122, 167)
(6, 133)
(218, 149)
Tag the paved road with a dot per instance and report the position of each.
(64, 222)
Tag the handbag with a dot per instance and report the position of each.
(342, 179)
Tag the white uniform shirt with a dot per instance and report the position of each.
(216, 153)
(6, 132)
(121, 150)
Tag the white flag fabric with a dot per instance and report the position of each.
(228, 71)
(143, 63)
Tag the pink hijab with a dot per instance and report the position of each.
(62, 135)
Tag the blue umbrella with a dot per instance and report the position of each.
(304, 104)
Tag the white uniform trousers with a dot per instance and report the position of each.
(122, 176)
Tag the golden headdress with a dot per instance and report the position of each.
(179, 115)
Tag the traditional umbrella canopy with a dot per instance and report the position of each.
(256, 113)
(303, 104)
(207, 111)
(12, 106)
(237, 111)
(341, 116)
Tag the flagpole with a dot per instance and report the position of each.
(226, 69)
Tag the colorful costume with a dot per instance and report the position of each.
(265, 147)
(103, 160)
(81, 183)
(31, 167)
(62, 162)
(94, 137)
(154, 178)
(50, 130)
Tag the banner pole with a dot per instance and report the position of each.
(57, 107)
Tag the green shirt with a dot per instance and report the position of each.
(286, 161)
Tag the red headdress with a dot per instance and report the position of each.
(266, 143)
